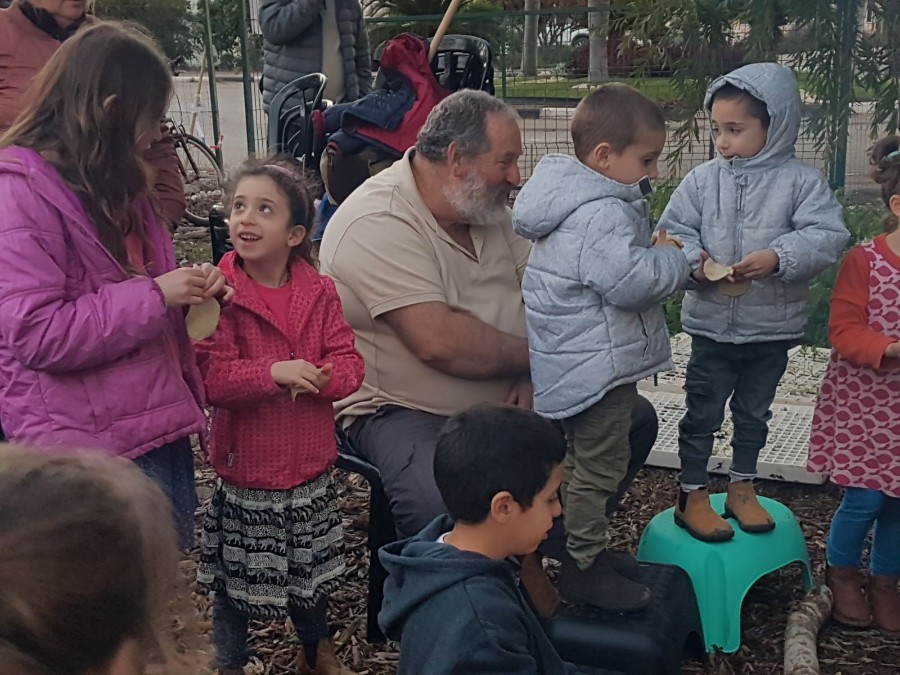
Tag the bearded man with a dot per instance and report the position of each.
(429, 273)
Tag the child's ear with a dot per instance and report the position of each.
(600, 154)
(894, 205)
(503, 506)
(296, 235)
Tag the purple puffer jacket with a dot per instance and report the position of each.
(84, 359)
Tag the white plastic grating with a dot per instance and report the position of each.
(784, 457)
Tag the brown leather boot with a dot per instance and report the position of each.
(537, 585)
(885, 601)
(327, 662)
(694, 513)
(742, 505)
(849, 605)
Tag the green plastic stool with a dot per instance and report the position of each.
(722, 573)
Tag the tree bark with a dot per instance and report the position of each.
(598, 30)
(802, 632)
(530, 43)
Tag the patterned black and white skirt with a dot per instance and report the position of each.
(271, 550)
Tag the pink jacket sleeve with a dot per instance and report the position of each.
(229, 379)
(168, 188)
(339, 349)
(41, 324)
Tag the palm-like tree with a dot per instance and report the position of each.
(831, 49)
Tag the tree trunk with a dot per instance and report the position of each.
(802, 632)
(530, 43)
(598, 29)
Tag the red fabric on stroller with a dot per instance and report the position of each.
(406, 54)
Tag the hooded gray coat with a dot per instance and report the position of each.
(593, 285)
(730, 208)
(293, 44)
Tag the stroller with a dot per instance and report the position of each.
(345, 144)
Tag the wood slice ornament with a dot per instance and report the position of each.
(719, 273)
(203, 319)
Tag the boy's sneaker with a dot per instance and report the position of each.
(742, 505)
(601, 586)
(695, 514)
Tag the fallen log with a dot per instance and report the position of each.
(801, 637)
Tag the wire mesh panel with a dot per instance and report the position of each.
(784, 457)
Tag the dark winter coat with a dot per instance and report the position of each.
(293, 44)
(457, 612)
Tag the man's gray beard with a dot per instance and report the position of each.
(475, 203)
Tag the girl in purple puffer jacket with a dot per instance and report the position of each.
(93, 347)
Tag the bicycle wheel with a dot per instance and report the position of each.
(203, 178)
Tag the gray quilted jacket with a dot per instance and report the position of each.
(771, 200)
(593, 285)
(293, 44)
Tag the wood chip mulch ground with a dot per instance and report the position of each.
(841, 651)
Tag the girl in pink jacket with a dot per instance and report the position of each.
(93, 347)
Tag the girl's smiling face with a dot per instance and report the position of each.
(260, 224)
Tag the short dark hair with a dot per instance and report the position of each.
(490, 449)
(613, 113)
(756, 107)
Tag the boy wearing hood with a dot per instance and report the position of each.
(773, 223)
(592, 294)
(452, 596)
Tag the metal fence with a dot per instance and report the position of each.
(545, 98)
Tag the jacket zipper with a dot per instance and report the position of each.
(737, 241)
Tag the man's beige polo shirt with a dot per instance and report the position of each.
(385, 251)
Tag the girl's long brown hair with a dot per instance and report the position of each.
(88, 560)
(82, 116)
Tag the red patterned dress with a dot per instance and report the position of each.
(856, 427)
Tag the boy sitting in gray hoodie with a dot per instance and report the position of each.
(592, 293)
(772, 223)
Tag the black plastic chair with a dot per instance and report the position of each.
(218, 233)
(290, 129)
(461, 62)
(464, 62)
(381, 529)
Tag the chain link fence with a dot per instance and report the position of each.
(544, 83)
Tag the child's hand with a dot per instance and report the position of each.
(756, 265)
(325, 375)
(216, 284)
(300, 375)
(698, 274)
(660, 238)
(892, 351)
(181, 287)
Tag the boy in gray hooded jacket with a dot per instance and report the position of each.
(592, 294)
(773, 224)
